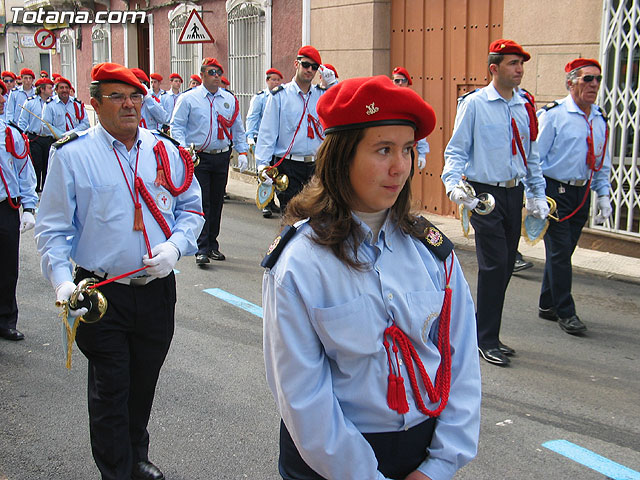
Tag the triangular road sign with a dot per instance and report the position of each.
(195, 31)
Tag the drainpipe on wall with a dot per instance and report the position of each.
(306, 22)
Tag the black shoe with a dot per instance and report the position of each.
(572, 325)
(266, 212)
(548, 313)
(202, 259)
(216, 255)
(146, 471)
(226, 196)
(11, 334)
(521, 265)
(506, 350)
(274, 208)
(494, 356)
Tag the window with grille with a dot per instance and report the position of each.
(620, 98)
(67, 57)
(100, 44)
(185, 58)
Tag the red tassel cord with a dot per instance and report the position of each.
(163, 169)
(224, 125)
(79, 111)
(11, 147)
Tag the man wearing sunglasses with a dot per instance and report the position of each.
(574, 158)
(208, 117)
(9, 79)
(290, 130)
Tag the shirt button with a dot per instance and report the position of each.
(390, 296)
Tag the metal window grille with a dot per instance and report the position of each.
(67, 58)
(184, 57)
(620, 98)
(100, 45)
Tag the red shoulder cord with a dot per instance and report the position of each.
(11, 149)
(314, 124)
(224, 125)
(293, 139)
(396, 394)
(66, 123)
(529, 106)
(79, 111)
(163, 175)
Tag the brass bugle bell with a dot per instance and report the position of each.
(280, 180)
(553, 206)
(92, 299)
(486, 201)
(194, 155)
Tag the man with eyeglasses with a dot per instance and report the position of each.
(290, 132)
(574, 158)
(106, 209)
(19, 95)
(402, 78)
(208, 117)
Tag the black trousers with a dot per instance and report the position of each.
(126, 349)
(212, 173)
(299, 174)
(40, 146)
(398, 453)
(497, 236)
(9, 252)
(560, 242)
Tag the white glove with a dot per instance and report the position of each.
(63, 292)
(422, 162)
(262, 175)
(328, 75)
(461, 197)
(27, 222)
(251, 140)
(243, 162)
(604, 209)
(165, 256)
(538, 207)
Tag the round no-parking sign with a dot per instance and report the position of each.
(45, 39)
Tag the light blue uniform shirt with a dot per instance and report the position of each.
(562, 143)
(3, 115)
(281, 116)
(18, 173)
(422, 147)
(29, 123)
(254, 115)
(17, 97)
(86, 211)
(195, 120)
(152, 113)
(481, 144)
(64, 117)
(168, 101)
(326, 364)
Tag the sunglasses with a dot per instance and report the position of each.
(591, 78)
(314, 66)
(214, 72)
(400, 81)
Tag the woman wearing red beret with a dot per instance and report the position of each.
(369, 326)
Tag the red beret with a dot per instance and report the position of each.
(27, 71)
(581, 62)
(156, 76)
(508, 47)
(402, 71)
(61, 79)
(113, 72)
(196, 78)
(274, 71)
(44, 72)
(224, 81)
(3, 86)
(331, 67)
(139, 73)
(7, 73)
(175, 75)
(310, 52)
(43, 81)
(212, 62)
(374, 101)
(55, 76)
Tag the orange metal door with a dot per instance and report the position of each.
(444, 45)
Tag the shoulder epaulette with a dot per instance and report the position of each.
(49, 100)
(14, 88)
(528, 97)
(604, 114)
(550, 105)
(260, 92)
(163, 92)
(75, 100)
(468, 93)
(190, 88)
(279, 88)
(15, 126)
(166, 135)
(64, 140)
(433, 238)
(276, 247)
(320, 87)
(31, 97)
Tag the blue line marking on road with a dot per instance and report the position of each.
(235, 301)
(596, 462)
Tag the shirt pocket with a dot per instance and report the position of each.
(494, 136)
(424, 309)
(104, 201)
(348, 329)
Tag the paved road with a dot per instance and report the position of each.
(214, 417)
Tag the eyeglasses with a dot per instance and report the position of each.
(119, 98)
(214, 72)
(314, 66)
(400, 81)
(591, 78)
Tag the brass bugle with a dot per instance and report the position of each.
(280, 180)
(486, 201)
(92, 299)
(194, 155)
(553, 206)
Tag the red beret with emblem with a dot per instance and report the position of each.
(61, 79)
(113, 72)
(156, 76)
(43, 81)
(3, 86)
(7, 73)
(402, 71)
(212, 62)
(196, 78)
(508, 47)
(27, 71)
(274, 71)
(310, 52)
(175, 75)
(581, 62)
(139, 73)
(374, 101)
(332, 68)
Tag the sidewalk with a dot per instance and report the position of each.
(604, 264)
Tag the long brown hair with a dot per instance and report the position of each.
(326, 200)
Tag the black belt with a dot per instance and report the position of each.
(134, 282)
(14, 200)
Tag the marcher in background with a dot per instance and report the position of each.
(225, 84)
(363, 294)
(63, 112)
(493, 146)
(209, 117)
(30, 122)
(44, 74)
(17, 189)
(153, 115)
(107, 214)
(402, 78)
(254, 118)
(156, 81)
(328, 76)
(194, 81)
(574, 158)
(169, 99)
(18, 95)
(290, 130)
